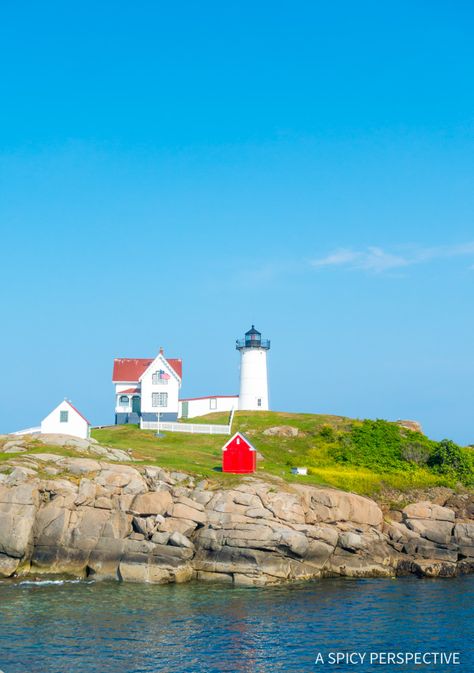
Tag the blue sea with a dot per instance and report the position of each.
(81, 627)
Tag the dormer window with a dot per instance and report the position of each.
(160, 377)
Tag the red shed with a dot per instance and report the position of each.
(238, 455)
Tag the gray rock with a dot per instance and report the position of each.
(189, 502)
(225, 578)
(146, 504)
(330, 505)
(351, 541)
(281, 431)
(18, 476)
(178, 540)
(428, 510)
(140, 525)
(16, 530)
(181, 511)
(437, 531)
(160, 538)
(79, 466)
(464, 533)
(179, 476)
(202, 497)
(296, 542)
(285, 506)
(173, 525)
(46, 457)
(8, 565)
(86, 493)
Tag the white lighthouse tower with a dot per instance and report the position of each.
(253, 371)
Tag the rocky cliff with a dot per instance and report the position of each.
(110, 520)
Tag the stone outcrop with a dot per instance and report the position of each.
(109, 520)
(414, 426)
(282, 431)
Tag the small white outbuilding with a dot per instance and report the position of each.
(65, 419)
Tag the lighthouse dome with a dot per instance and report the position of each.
(252, 339)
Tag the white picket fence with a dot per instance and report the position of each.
(193, 428)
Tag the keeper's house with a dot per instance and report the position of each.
(147, 387)
(201, 406)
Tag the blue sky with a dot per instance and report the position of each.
(172, 172)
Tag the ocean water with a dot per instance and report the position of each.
(81, 627)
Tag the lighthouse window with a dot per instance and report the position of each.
(213, 403)
(259, 402)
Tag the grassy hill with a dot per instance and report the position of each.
(362, 456)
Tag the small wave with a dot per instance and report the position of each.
(51, 582)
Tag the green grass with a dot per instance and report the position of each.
(367, 457)
(360, 456)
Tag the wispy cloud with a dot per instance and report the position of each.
(376, 260)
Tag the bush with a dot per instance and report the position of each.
(453, 460)
(382, 445)
(416, 452)
(327, 433)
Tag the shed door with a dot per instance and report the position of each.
(136, 404)
(184, 409)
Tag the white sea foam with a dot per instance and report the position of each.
(51, 582)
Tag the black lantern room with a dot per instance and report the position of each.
(252, 339)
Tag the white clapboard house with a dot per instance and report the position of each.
(146, 387)
(190, 407)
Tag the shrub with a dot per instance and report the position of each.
(453, 460)
(327, 433)
(416, 452)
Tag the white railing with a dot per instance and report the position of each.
(27, 431)
(193, 428)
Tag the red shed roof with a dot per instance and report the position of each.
(130, 369)
(77, 411)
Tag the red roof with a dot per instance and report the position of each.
(77, 411)
(130, 391)
(130, 369)
(177, 365)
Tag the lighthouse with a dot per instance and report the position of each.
(253, 371)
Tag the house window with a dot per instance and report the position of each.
(259, 402)
(160, 378)
(159, 399)
(63, 416)
(213, 403)
(124, 400)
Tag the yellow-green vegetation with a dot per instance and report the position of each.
(361, 456)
